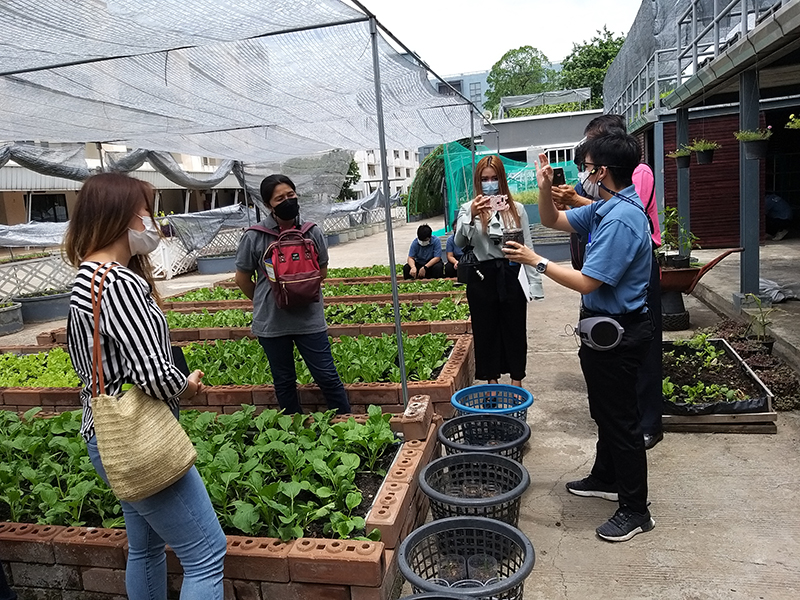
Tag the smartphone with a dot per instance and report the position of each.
(498, 202)
(558, 176)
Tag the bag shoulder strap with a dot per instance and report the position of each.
(263, 229)
(97, 356)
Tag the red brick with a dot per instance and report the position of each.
(377, 329)
(45, 338)
(91, 547)
(418, 328)
(406, 467)
(445, 409)
(440, 390)
(229, 395)
(304, 591)
(240, 333)
(309, 395)
(449, 327)
(257, 559)
(214, 333)
(388, 511)
(22, 396)
(384, 592)
(24, 542)
(247, 590)
(264, 395)
(183, 335)
(60, 397)
(110, 581)
(340, 330)
(416, 419)
(345, 562)
(364, 394)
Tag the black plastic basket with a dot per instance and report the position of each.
(425, 549)
(435, 596)
(479, 484)
(496, 434)
(493, 399)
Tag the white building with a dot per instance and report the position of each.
(402, 164)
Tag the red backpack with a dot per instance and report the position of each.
(291, 264)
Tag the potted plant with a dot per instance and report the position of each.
(704, 149)
(10, 316)
(793, 123)
(46, 305)
(669, 254)
(755, 141)
(759, 321)
(682, 157)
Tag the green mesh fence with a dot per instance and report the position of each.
(521, 177)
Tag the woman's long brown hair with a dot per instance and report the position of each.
(510, 217)
(105, 205)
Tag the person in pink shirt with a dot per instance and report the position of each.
(648, 387)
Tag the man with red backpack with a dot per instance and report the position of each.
(280, 265)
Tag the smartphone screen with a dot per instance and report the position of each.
(558, 176)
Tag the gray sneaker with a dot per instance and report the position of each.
(625, 524)
(591, 487)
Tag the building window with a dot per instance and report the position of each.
(408, 172)
(371, 156)
(408, 154)
(475, 91)
(445, 89)
(397, 153)
(397, 172)
(49, 208)
(371, 170)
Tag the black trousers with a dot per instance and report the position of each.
(434, 272)
(450, 270)
(498, 309)
(648, 385)
(611, 378)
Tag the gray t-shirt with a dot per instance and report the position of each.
(268, 319)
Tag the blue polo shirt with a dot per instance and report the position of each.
(423, 254)
(619, 253)
(451, 247)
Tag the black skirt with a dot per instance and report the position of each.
(498, 309)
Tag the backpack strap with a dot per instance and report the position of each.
(263, 229)
(306, 227)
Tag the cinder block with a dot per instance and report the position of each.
(345, 562)
(247, 590)
(388, 512)
(110, 581)
(59, 577)
(91, 547)
(257, 559)
(23, 542)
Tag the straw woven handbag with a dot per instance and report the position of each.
(142, 445)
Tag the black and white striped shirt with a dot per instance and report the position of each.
(133, 334)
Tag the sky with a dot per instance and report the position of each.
(459, 36)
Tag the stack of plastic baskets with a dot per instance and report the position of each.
(493, 399)
(497, 434)
(472, 556)
(480, 484)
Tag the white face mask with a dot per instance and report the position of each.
(423, 243)
(590, 188)
(144, 242)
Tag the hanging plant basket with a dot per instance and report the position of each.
(704, 157)
(10, 318)
(683, 161)
(755, 149)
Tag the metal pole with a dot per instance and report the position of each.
(213, 199)
(658, 131)
(246, 203)
(376, 71)
(682, 135)
(749, 173)
(100, 152)
(186, 201)
(472, 135)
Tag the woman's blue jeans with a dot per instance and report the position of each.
(183, 517)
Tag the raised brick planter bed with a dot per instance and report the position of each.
(456, 374)
(338, 280)
(78, 563)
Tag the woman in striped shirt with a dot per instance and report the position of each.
(112, 223)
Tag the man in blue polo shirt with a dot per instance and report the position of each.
(424, 256)
(613, 282)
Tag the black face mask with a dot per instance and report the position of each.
(287, 210)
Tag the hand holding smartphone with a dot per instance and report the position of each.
(558, 176)
(498, 203)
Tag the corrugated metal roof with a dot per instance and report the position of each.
(19, 179)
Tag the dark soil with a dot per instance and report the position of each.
(776, 375)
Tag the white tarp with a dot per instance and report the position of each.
(544, 98)
(245, 80)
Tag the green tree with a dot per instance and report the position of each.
(521, 71)
(353, 176)
(587, 64)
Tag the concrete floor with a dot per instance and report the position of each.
(725, 505)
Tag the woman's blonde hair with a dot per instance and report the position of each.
(510, 217)
(105, 205)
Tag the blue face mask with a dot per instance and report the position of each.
(490, 188)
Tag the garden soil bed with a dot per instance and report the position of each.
(87, 563)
